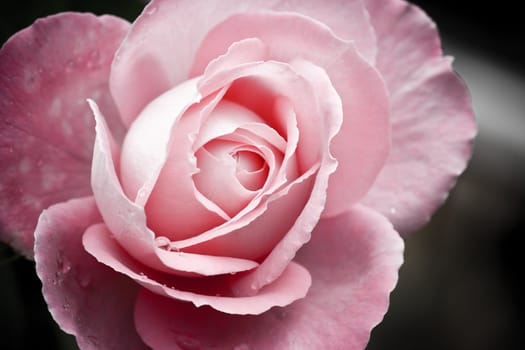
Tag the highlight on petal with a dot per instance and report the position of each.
(47, 71)
(146, 145)
(354, 259)
(144, 67)
(76, 287)
(432, 119)
(213, 291)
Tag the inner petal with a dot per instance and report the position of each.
(248, 161)
(217, 181)
(251, 169)
(232, 172)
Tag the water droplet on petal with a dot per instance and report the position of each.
(280, 313)
(91, 59)
(63, 266)
(84, 280)
(151, 10)
(162, 241)
(66, 306)
(93, 340)
(70, 65)
(173, 248)
(254, 286)
(187, 343)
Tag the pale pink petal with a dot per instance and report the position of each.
(47, 71)
(151, 60)
(432, 120)
(229, 128)
(224, 179)
(354, 261)
(125, 219)
(285, 82)
(263, 229)
(227, 117)
(87, 299)
(215, 292)
(299, 212)
(364, 131)
(97, 239)
(262, 89)
(243, 51)
(217, 181)
(328, 106)
(174, 210)
(362, 145)
(146, 146)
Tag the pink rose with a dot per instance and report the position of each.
(228, 135)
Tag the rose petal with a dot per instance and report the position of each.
(221, 177)
(217, 181)
(146, 146)
(227, 117)
(354, 259)
(46, 73)
(273, 114)
(243, 51)
(292, 284)
(362, 145)
(176, 209)
(282, 80)
(125, 219)
(97, 241)
(316, 118)
(76, 287)
(144, 67)
(432, 119)
(260, 230)
(316, 125)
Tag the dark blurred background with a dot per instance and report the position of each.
(461, 287)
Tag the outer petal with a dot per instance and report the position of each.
(97, 240)
(151, 60)
(290, 286)
(432, 120)
(46, 129)
(76, 287)
(353, 258)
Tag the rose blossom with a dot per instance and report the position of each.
(228, 135)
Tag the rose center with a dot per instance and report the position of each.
(251, 169)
